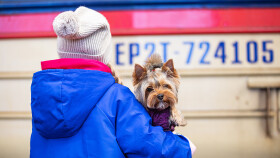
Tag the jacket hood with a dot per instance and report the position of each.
(61, 100)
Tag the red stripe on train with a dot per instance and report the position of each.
(155, 22)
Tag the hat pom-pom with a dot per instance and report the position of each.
(66, 25)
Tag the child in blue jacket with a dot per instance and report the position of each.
(79, 111)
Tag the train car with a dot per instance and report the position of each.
(227, 53)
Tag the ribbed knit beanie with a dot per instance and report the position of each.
(83, 33)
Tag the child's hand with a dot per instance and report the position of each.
(193, 147)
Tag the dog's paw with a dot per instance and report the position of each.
(181, 121)
(172, 121)
(178, 121)
(178, 118)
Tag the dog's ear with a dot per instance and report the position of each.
(169, 69)
(138, 70)
(170, 65)
(139, 74)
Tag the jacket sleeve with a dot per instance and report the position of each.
(138, 138)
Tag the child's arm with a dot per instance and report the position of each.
(192, 146)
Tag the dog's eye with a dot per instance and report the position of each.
(149, 89)
(166, 86)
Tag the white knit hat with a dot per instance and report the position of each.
(83, 33)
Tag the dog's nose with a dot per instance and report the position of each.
(160, 96)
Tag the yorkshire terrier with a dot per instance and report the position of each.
(156, 88)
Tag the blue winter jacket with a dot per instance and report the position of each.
(85, 114)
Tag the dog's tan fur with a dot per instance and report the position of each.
(154, 79)
(115, 74)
